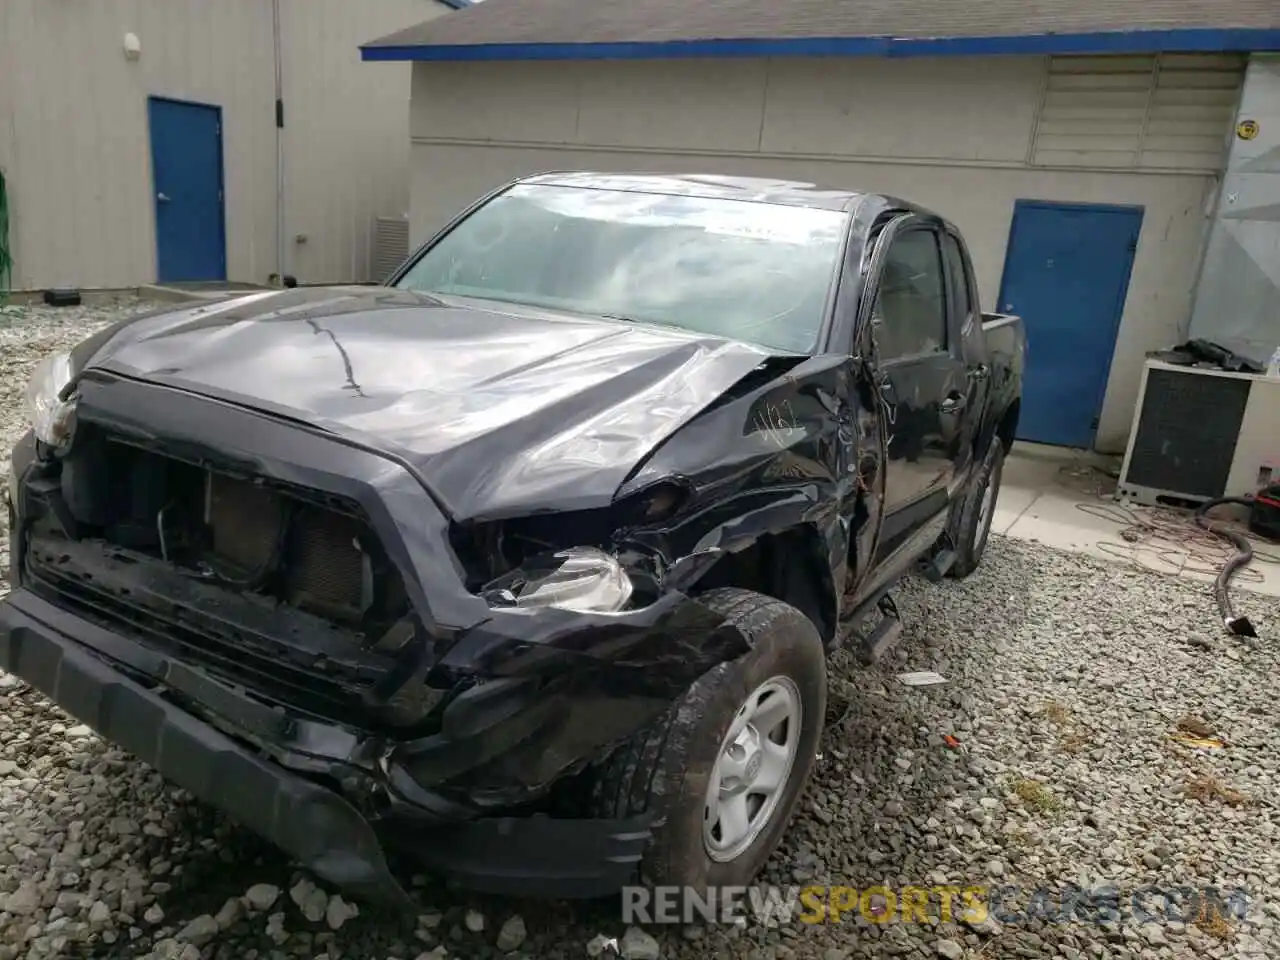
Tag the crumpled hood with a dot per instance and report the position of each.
(502, 413)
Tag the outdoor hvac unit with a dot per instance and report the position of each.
(390, 246)
(1199, 434)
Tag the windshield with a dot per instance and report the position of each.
(750, 271)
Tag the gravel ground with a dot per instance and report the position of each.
(1048, 761)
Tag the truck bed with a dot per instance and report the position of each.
(1006, 346)
(1004, 336)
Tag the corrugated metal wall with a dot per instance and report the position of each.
(346, 132)
(1238, 297)
(75, 150)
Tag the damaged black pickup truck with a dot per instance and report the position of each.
(525, 564)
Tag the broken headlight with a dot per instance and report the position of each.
(582, 579)
(52, 416)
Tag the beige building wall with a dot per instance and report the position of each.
(346, 158)
(965, 137)
(75, 149)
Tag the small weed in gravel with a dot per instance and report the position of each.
(1209, 789)
(1036, 795)
(1057, 712)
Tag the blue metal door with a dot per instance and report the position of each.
(186, 165)
(1066, 274)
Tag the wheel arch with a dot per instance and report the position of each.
(791, 565)
(1007, 426)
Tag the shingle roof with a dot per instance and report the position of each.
(573, 29)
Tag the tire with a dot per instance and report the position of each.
(667, 769)
(971, 524)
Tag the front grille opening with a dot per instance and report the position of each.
(278, 590)
(309, 550)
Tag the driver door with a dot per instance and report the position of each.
(923, 382)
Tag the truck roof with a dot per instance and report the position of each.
(791, 193)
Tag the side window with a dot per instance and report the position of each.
(911, 304)
(958, 276)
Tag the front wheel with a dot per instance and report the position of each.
(971, 521)
(724, 770)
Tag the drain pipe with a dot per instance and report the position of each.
(275, 37)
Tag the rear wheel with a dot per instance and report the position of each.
(972, 516)
(724, 770)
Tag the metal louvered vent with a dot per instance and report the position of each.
(1168, 112)
(390, 246)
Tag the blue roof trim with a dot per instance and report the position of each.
(458, 4)
(1197, 40)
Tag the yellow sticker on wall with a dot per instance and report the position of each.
(1247, 129)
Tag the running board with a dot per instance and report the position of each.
(883, 635)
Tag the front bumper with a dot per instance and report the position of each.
(543, 695)
(41, 643)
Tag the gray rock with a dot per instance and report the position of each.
(599, 944)
(474, 921)
(988, 926)
(25, 900)
(512, 934)
(339, 912)
(99, 912)
(275, 930)
(122, 826)
(638, 945)
(949, 949)
(199, 931)
(261, 897)
(170, 949)
(232, 912)
(311, 901)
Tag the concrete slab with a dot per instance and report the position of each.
(1012, 504)
(1062, 498)
(1053, 518)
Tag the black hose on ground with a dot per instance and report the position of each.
(1236, 626)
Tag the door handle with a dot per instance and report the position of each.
(953, 404)
(162, 197)
(980, 372)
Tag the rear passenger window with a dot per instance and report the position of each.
(961, 294)
(911, 304)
